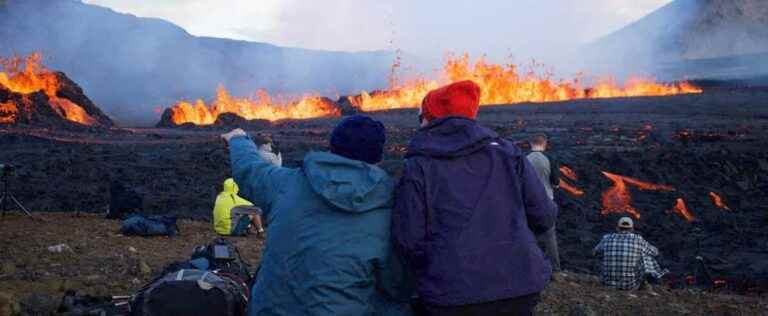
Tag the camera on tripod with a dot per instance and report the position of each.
(6, 170)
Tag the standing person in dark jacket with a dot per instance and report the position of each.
(549, 174)
(466, 210)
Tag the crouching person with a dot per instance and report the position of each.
(466, 210)
(627, 259)
(328, 249)
(234, 215)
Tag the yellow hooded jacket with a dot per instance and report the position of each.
(227, 199)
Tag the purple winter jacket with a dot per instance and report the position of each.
(465, 214)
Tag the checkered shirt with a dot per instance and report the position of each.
(626, 259)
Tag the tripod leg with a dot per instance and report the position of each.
(20, 206)
(2, 204)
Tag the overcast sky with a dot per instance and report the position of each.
(427, 28)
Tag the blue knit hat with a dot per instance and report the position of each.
(359, 137)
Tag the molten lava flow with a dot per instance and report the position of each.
(505, 84)
(617, 198)
(570, 189)
(8, 112)
(261, 106)
(681, 209)
(500, 84)
(718, 201)
(27, 76)
(71, 111)
(568, 173)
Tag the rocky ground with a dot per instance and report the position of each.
(104, 262)
(712, 142)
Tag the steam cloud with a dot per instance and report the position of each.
(129, 65)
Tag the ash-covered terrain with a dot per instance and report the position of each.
(699, 145)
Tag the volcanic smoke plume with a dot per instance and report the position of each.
(500, 84)
(33, 95)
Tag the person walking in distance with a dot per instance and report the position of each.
(549, 174)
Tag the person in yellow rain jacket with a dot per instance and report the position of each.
(230, 209)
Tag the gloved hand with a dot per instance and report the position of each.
(234, 133)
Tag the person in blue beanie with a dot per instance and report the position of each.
(328, 246)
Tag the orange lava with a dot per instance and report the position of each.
(262, 106)
(27, 76)
(617, 198)
(570, 189)
(8, 112)
(718, 201)
(505, 84)
(682, 210)
(568, 173)
(500, 84)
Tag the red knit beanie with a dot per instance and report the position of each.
(457, 99)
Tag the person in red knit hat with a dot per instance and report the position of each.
(458, 99)
(466, 210)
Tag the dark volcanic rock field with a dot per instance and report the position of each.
(712, 142)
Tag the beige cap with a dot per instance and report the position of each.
(626, 222)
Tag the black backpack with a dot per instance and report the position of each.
(224, 258)
(191, 292)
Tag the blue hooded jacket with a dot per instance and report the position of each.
(328, 249)
(466, 210)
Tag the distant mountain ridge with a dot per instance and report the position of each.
(687, 30)
(130, 65)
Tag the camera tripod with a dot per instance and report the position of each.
(7, 197)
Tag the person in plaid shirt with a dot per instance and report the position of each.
(627, 258)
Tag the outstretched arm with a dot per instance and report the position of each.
(258, 179)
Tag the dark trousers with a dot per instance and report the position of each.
(548, 241)
(517, 306)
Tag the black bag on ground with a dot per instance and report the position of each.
(191, 292)
(225, 258)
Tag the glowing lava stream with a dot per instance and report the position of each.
(718, 201)
(617, 198)
(568, 173)
(500, 84)
(681, 209)
(570, 189)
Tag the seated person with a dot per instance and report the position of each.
(123, 201)
(328, 249)
(232, 215)
(627, 258)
